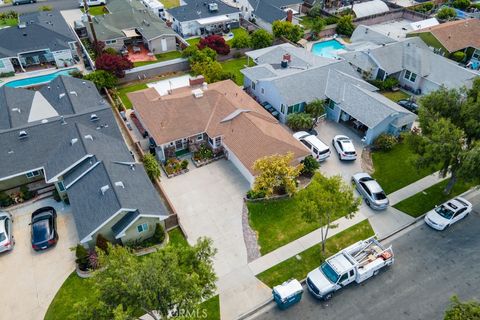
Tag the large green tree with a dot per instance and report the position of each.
(325, 197)
(175, 279)
(345, 25)
(450, 123)
(261, 39)
(102, 79)
(290, 31)
(469, 310)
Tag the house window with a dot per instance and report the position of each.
(282, 108)
(253, 85)
(218, 141)
(33, 174)
(410, 76)
(142, 227)
(289, 109)
(61, 187)
(263, 91)
(110, 41)
(200, 137)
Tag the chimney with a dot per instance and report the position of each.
(287, 57)
(289, 15)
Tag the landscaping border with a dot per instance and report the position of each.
(199, 164)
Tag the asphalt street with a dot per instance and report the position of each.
(32, 7)
(430, 266)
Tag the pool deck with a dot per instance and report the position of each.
(36, 73)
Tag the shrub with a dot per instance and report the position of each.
(287, 30)
(261, 39)
(345, 25)
(424, 7)
(26, 194)
(111, 51)
(5, 200)
(76, 74)
(458, 56)
(102, 243)
(102, 79)
(461, 4)
(386, 85)
(46, 8)
(7, 74)
(252, 194)
(216, 43)
(316, 11)
(173, 165)
(299, 121)
(184, 164)
(159, 234)
(203, 153)
(241, 40)
(151, 166)
(385, 142)
(113, 64)
(56, 195)
(446, 13)
(331, 20)
(93, 261)
(97, 47)
(225, 75)
(310, 165)
(81, 255)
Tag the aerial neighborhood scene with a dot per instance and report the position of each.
(239, 159)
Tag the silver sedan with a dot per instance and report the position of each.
(371, 191)
(6, 238)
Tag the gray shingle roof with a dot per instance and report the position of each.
(270, 10)
(198, 9)
(52, 20)
(364, 33)
(128, 218)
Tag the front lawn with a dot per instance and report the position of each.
(312, 257)
(194, 41)
(8, 22)
(209, 309)
(170, 3)
(160, 57)
(122, 93)
(396, 168)
(426, 200)
(395, 95)
(96, 10)
(235, 65)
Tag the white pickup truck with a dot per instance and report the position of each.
(357, 262)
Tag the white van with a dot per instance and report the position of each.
(91, 3)
(318, 149)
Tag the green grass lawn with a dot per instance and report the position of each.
(170, 3)
(235, 65)
(427, 199)
(395, 96)
(193, 41)
(278, 222)
(8, 22)
(160, 57)
(122, 93)
(236, 32)
(396, 169)
(75, 289)
(95, 10)
(209, 309)
(307, 22)
(312, 257)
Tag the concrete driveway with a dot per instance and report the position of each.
(209, 202)
(29, 279)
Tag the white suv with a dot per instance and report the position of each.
(6, 238)
(318, 149)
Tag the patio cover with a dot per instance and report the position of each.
(369, 8)
(215, 19)
(130, 33)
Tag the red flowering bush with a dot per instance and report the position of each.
(216, 43)
(114, 64)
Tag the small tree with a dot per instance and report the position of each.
(46, 8)
(102, 79)
(261, 39)
(458, 56)
(114, 64)
(345, 25)
(215, 42)
(317, 26)
(324, 198)
(315, 11)
(241, 40)
(276, 173)
(151, 166)
(446, 13)
(288, 30)
(310, 166)
(102, 243)
(98, 47)
(461, 4)
(299, 121)
(81, 255)
(315, 109)
(211, 70)
(159, 234)
(469, 310)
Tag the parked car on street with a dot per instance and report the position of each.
(448, 213)
(92, 3)
(318, 149)
(409, 105)
(17, 2)
(7, 241)
(44, 228)
(355, 263)
(344, 147)
(371, 191)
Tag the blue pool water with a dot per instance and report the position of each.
(327, 49)
(39, 79)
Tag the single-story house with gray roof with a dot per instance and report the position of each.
(203, 17)
(265, 12)
(41, 40)
(65, 135)
(350, 99)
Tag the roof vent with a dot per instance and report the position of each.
(48, 87)
(197, 93)
(17, 110)
(73, 141)
(94, 117)
(212, 7)
(74, 93)
(61, 95)
(62, 121)
(119, 184)
(22, 134)
(44, 120)
(89, 137)
(104, 189)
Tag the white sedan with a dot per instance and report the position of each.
(448, 213)
(344, 147)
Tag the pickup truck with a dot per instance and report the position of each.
(355, 263)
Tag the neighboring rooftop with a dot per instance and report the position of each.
(200, 9)
(271, 10)
(225, 110)
(369, 8)
(455, 35)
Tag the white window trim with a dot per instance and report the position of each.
(410, 77)
(143, 226)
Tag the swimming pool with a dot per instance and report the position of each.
(27, 82)
(327, 49)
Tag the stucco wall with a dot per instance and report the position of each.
(132, 233)
(155, 45)
(239, 165)
(18, 181)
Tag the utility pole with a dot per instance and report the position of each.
(90, 23)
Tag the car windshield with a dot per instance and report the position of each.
(2, 237)
(329, 272)
(41, 230)
(444, 212)
(379, 196)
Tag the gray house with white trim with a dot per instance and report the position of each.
(65, 134)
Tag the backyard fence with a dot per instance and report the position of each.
(155, 69)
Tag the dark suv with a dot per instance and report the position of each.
(44, 228)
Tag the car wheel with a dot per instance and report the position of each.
(367, 202)
(328, 296)
(32, 1)
(446, 227)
